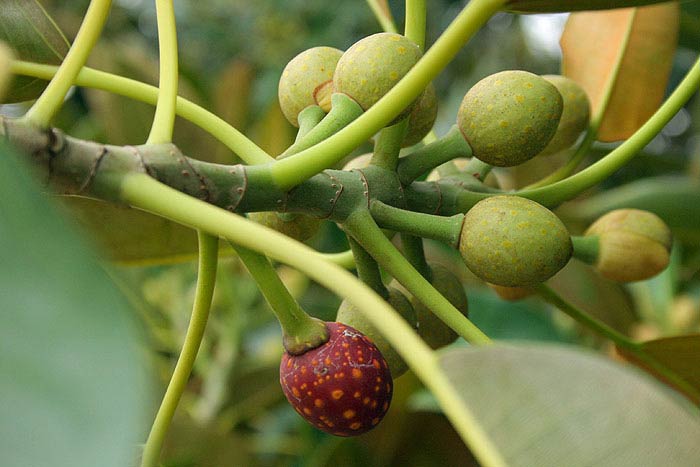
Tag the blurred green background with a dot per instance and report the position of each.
(231, 55)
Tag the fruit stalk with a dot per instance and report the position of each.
(363, 228)
(300, 332)
(444, 229)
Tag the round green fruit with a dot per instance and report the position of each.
(307, 80)
(373, 65)
(574, 117)
(422, 117)
(350, 315)
(509, 117)
(512, 241)
(300, 227)
(431, 328)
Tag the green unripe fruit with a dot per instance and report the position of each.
(513, 241)
(6, 57)
(422, 117)
(298, 226)
(431, 328)
(633, 245)
(373, 65)
(307, 80)
(348, 314)
(509, 117)
(574, 117)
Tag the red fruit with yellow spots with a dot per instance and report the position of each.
(342, 387)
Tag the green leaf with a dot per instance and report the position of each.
(74, 384)
(681, 354)
(127, 235)
(551, 406)
(33, 34)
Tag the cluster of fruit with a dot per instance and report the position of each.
(344, 386)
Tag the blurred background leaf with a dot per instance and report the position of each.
(31, 32)
(75, 387)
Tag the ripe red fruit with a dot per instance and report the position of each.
(342, 387)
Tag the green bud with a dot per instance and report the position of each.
(307, 80)
(574, 117)
(633, 245)
(513, 241)
(300, 227)
(373, 65)
(431, 328)
(509, 117)
(350, 315)
(422, 117)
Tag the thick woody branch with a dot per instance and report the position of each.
(77, 167)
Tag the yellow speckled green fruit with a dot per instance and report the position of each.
(513, 241)
(349, 315)
(307, 80)
(509, 117)
(431, 328)
(574, 117)
(422, 117)
(634, 245)
(373, 65)
(298, 226)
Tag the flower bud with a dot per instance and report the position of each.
(633, 245)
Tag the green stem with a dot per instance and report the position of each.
(597, 119)
(444, 229)
(368, 269)
(632, 348)
(46, 106)
(344, 259)
(164, 118)
(217, 127)
(308, 119)
(343, 111)
(477, 169)
(363, 228)
(388, 145)
(586, 248)
(381, 11)
(428, 157)
(412, 247)
(206, 278)
(415, 21)
(556, 193)
(300, 332)
(293, 170)
(143, 192)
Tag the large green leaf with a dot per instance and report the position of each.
(554, 6)
(74, 385)
(553, 406)
(30, 31)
